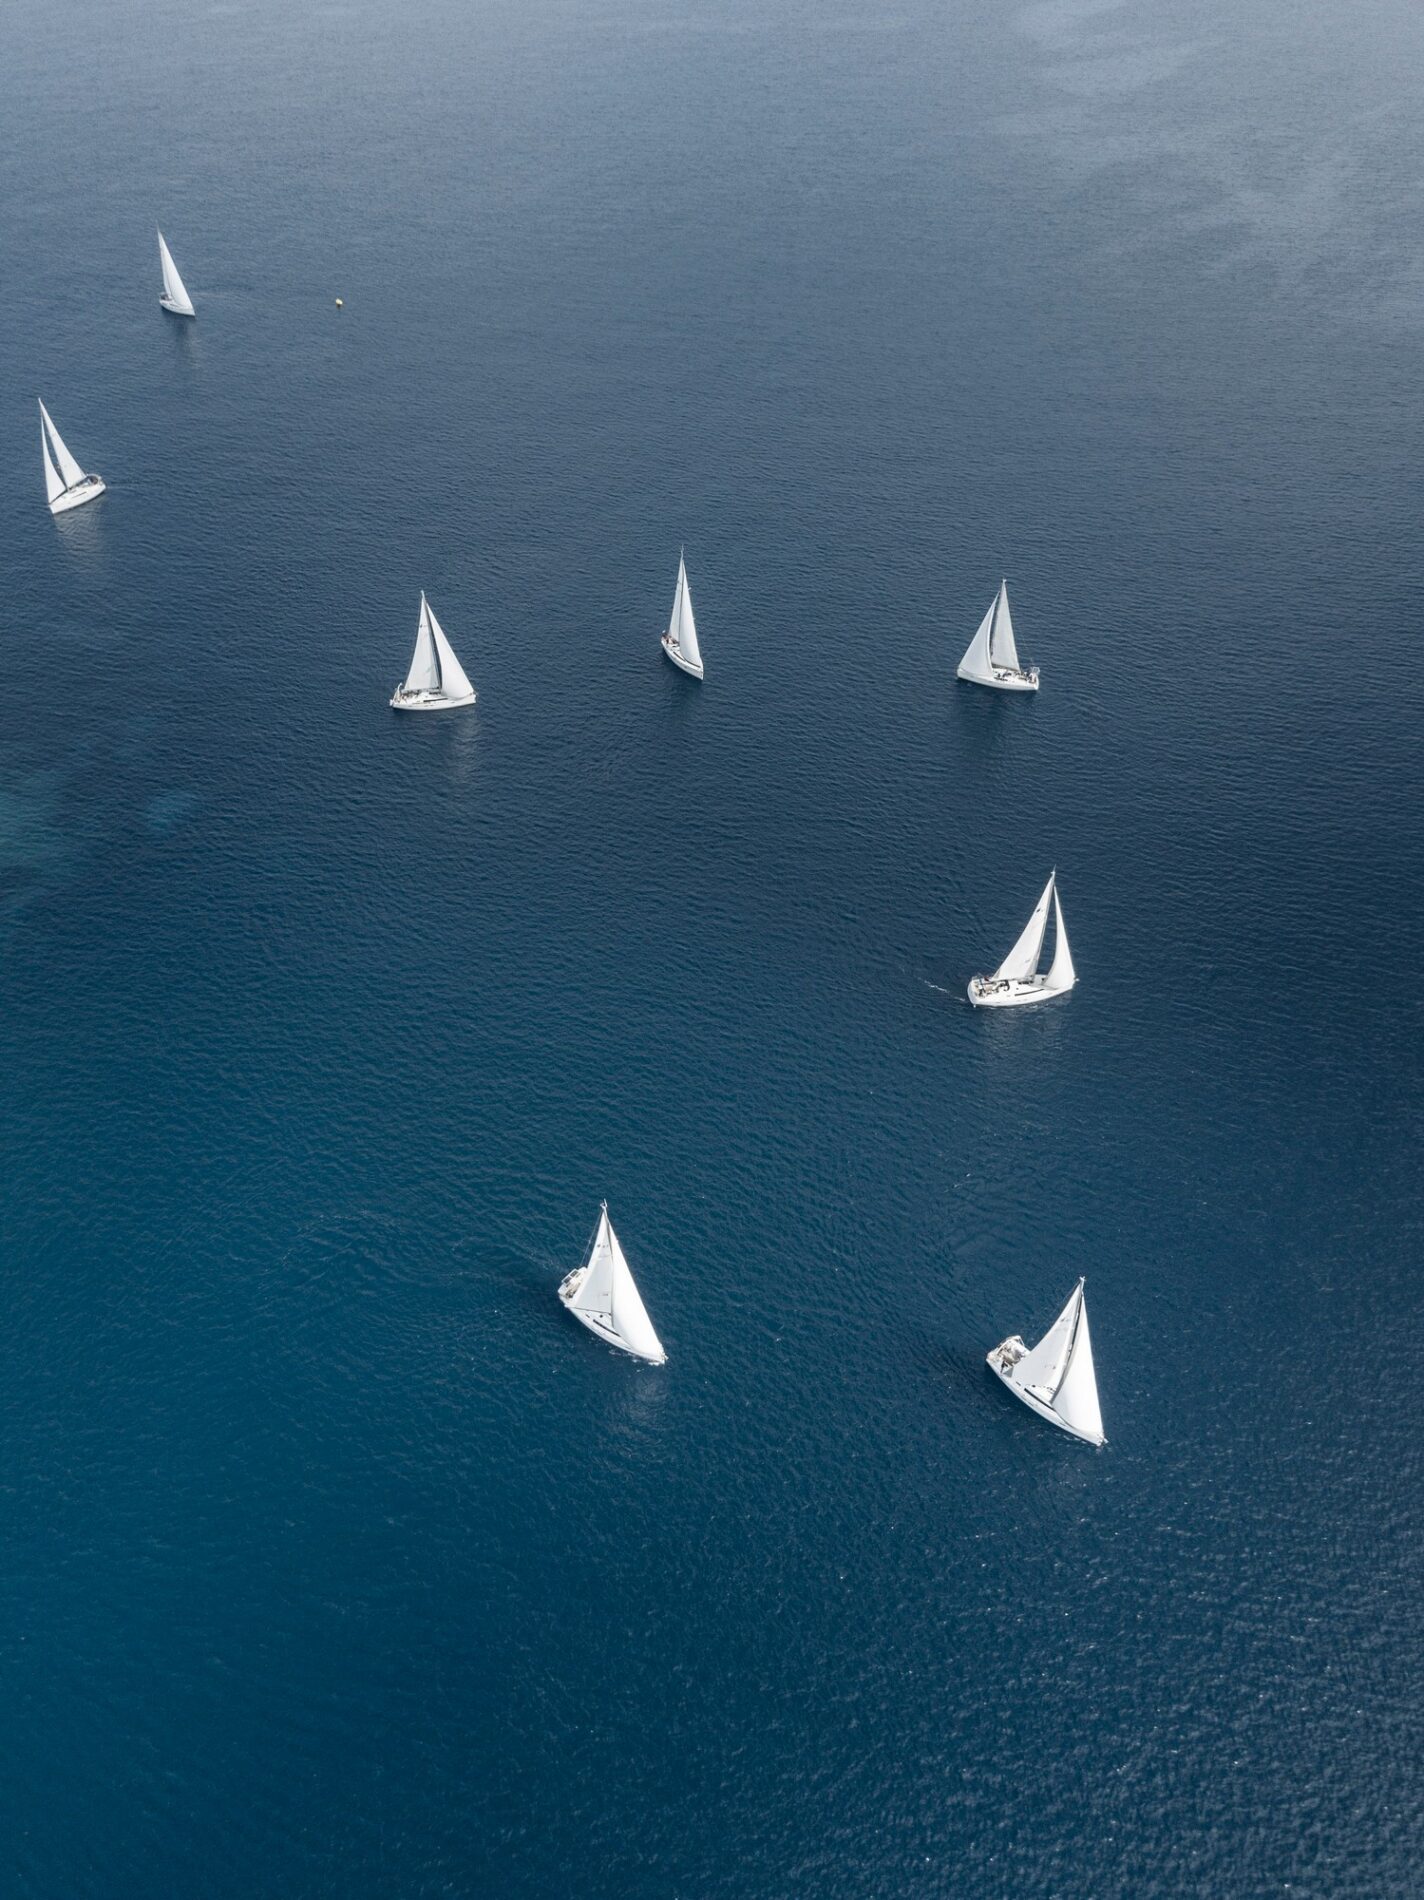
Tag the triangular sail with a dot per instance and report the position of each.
(68, 467)
(424, 674)
(682, 626)
(1076, 1398)
(454, 682)
(1002, 651)
(54, 483)
(1061, 974)
(595, 1292)
(1022, 960)
(172, 282)
(609, 1293)
(1042, 1368)
(630, 1316)
(976, 664)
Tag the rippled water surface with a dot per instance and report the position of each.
(337, 1560)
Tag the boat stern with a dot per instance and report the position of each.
(1006, 1355)
(680, 660)
(571, 1283)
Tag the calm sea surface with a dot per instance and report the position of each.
(336, 1559)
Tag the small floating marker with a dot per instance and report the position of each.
(339, 304)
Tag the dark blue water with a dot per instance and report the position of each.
(337, 1559)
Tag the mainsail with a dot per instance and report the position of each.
(682, 628)
(595, 1293)
(1002, 651)
(173, 288)
(1042, 1367)
(1022, 960)
(69, 469)
(424, 674)
(54, 481)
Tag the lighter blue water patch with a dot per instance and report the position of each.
(170, 810)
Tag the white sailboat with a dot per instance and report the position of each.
(602, 1294)
(1055, 1378)
(1017, 979)
(680, 640)
(173, 296)
(436, 678)
(992, 658)
(66, 484)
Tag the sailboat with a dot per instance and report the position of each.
(992, 658)
(173, 296)
(602, 1294)
(436, 678)
(66, 484)
(1017, 979)
(680, 640)
(1055, 1378)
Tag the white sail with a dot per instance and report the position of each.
(454, 682)
(1042, 1367)
(1056, 1377)
(173, 289)
(1059, 1371)
(1002, 651)
(424, 674)
(1076, 1400)
(1022, 960)
(54, 482)
(630, 1316)
(976, 664)
(1061, 974)
(68, 467)
(595, 1292)
(607, 1295)
(682, 628)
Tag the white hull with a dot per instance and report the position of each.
(680, 659)
(175, 309)
(88, 490)
(568, 1287)
(986, 993)
(429, 702)
(1005, 681)
(1012, 1349)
